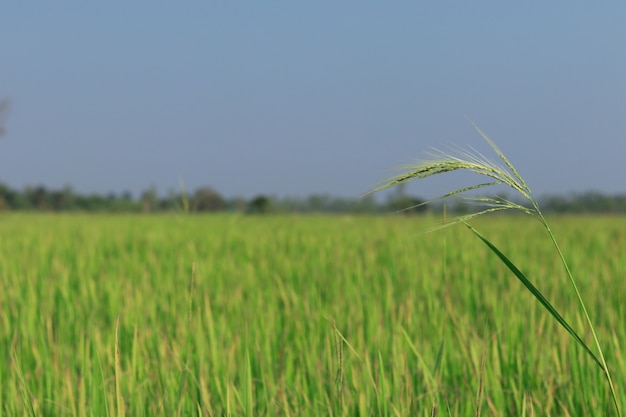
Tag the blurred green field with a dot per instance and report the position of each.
(230, 315)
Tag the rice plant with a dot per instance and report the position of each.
(496, 174)
(164, 315)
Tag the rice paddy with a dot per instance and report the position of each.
(231, 315)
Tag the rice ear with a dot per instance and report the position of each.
(442, 162)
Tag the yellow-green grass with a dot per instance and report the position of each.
(298, 316)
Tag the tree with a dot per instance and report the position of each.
(8, 197)
(406, 204)
(149, 200)
(260, 204)
(37, 197)
(62, 200)
(237, 204)
(207, 199)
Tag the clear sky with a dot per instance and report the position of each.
(294, 98)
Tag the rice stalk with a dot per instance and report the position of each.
(439, 162)
(118, 374)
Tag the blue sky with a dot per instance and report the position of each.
(297, 98)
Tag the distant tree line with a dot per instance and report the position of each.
(586, 202)
(207, 199)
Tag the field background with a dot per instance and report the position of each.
(302, 315)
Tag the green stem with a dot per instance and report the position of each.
(605, 367)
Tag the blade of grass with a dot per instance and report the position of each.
(538, 295)
(248, 387)
(118, 374)
(24, 391)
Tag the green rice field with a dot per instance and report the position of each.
(234, 315)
